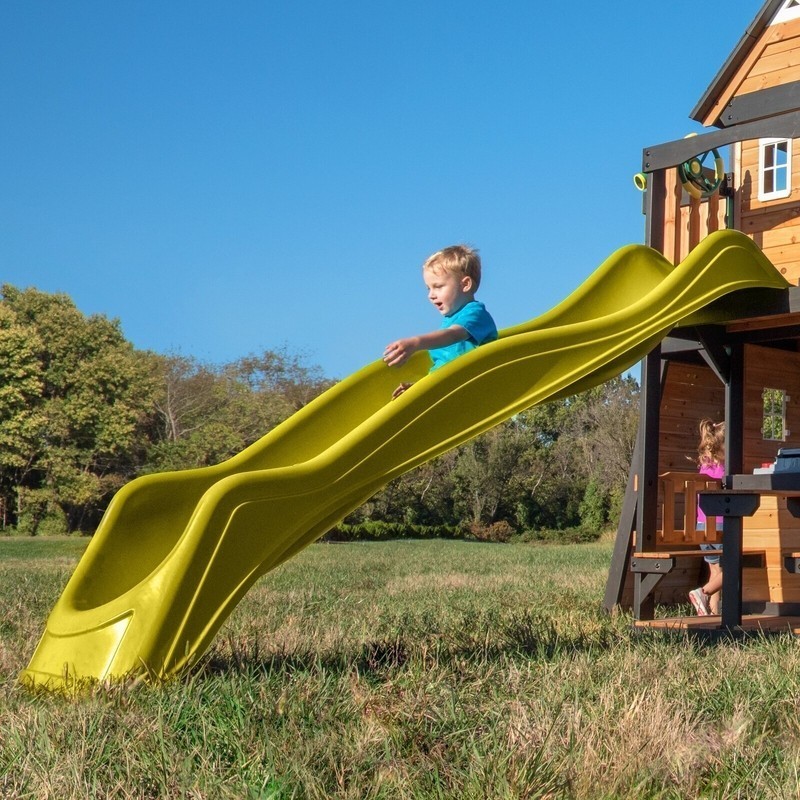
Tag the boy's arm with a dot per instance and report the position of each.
(400, 351)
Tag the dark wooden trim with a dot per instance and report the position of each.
(623, 545)
(644, 586)
(731, 561)
(714, 352)
(653, 376)
(728, 503)
(670, 154)
(650, 405)
(734, 411)
(735, 59)
(761, 104)
(665, 561)
(675, 344)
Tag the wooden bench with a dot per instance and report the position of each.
(663, 561)
(677, 539)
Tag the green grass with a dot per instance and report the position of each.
(416, 669)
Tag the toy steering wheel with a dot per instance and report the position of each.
(695, 174)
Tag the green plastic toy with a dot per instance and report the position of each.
(175, 552)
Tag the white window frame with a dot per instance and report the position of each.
(786, 12)
(778, 194)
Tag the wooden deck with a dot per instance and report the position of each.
(751, 624)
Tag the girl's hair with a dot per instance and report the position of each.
(457, 259)
(711, 449)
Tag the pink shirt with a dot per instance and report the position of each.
(716, 471)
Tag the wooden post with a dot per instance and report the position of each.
(731, 559)
(615, 583)
(633, 517)
(647, 502)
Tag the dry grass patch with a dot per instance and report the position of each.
(413, 670)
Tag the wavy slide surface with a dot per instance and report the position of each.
(175, 552)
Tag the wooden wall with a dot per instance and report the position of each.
(769, 368)
(692, 392)
(774, 61)
(771, 61)
(773, 529)
(773, 225)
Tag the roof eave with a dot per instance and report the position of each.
(740, 52)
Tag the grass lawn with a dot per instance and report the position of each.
(415, 669)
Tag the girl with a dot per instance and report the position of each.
(711, 462)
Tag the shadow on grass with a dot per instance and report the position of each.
(525, 637)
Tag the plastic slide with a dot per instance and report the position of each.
(176, 551)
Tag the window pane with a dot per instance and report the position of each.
(773, 425)
(769, 156)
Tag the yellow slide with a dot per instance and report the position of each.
(175, 552)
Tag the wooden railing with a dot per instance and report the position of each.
(678, 509)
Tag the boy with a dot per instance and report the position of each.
(452, 276)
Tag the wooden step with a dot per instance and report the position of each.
(751, 623)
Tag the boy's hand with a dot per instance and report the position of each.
(399, 390)
(399, 352)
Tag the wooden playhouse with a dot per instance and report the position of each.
(746, 371)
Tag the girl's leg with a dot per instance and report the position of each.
(713, 586)
(714, 583)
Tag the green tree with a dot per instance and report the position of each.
(601, 431)
(281, 377)
(557, 465)
(205, 414)
(87, 393)
(488, 472)
(21, 418)
(422, 496)
(192, 425)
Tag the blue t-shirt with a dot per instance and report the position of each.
(478, 323)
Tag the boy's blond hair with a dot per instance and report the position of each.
(458, 259)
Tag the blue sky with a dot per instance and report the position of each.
(228, 177)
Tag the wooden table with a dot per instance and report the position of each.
(741, 497)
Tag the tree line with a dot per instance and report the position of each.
(82, 412)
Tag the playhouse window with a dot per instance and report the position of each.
(773, 426)
(775, 174)
(789, 10)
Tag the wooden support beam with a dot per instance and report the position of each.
(714, 352)
(647, 499)
(671, 154)
(623, 544)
